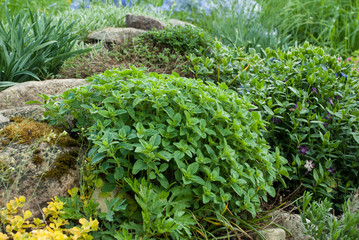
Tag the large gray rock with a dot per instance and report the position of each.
(143, 22)
(39, 168)
(19, 94)
(115, 35)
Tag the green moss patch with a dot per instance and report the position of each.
(62, 165)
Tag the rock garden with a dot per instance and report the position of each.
(146, 120)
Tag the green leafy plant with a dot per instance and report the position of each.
(309, 98)
(156, 137)
(35, 50)
(324, 225)
(184, 40)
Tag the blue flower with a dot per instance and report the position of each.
(124, 3)
(344, 75)
(76, 4)
(315, 89)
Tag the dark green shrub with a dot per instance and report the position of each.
(311, 101)
(176, 144)
(34, 50)
(180, 40)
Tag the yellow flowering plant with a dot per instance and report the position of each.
(17, 227)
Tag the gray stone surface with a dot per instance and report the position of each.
(292, 222)
(143, 22)
(19, 94)
(96, 196)
(115, 35)
(24, 176)
(272, 234)
(34, 112)
(176, 22)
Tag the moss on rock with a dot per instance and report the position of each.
(25, 130)
(63, 163)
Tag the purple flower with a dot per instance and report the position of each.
(337, 97)
(303, 149)
(315, 89)
(277, 120)
(285, 80)
(331, 170)
(325, 124)
(309, 165)
(331, 101)
(329, 116)
(272, 60)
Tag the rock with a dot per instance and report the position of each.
(176, 22)
(36, 163)
(143, 22)
(96, 196)
(115, 35)
(18, 95)
(272, 234)
(3, 120)
(34, 112)
(292, 222)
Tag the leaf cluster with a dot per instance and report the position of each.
(156, 137)
(17, 227)
(182, 40)
(309, 99)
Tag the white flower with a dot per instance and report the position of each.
(309, 165)
(64, 133)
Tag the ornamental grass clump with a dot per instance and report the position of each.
(33, 47)
(175, 145)
(311, 101)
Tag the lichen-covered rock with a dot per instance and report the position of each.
(18, 95)
(272, 234)
(34, 112)
(143, 22)
(115, 35)
(39, 163)
(176, 22)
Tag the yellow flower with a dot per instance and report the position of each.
(69, 1)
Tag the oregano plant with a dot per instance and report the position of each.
(189, 144)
